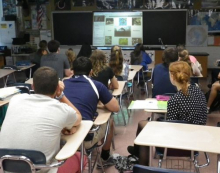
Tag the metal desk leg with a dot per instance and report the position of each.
(150, 155)
(138, 77)
(218, 163)
(6, 81)
(30, 73)
(82, 158)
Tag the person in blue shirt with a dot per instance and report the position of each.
(140, 57)
(160, 79)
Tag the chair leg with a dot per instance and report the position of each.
(100, 160)
(120, 103)
(90, 162)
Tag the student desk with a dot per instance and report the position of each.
(29, 81)
(4, 73)
(74, 141)
(180, 136)
(2, 103)
(21, 68)
(103, 116)
(135, 67)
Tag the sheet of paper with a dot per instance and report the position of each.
(143, 104)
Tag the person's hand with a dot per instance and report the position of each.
(61, 88)
(71, 131)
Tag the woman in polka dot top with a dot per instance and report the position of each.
(189, 103)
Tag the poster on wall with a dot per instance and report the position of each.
(9, 7)
(34, 22)
(82, 3)
(210, 19)
(61, 5)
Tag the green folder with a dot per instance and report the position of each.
(162, 104)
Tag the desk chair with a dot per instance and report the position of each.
(18, 160)
(146, 169)
(164, 152)
(146, 81)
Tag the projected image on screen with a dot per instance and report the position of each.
(117, 28)
(123, 31)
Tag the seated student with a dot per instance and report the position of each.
(56, 60)
(184, 55)
(85, 94)
(85, 51)
(71, 55)
(140, 57)
(36, 57)
(101, 71)
(213, 94)
(188, 104)
(120, 69)
(35, 122)
(160, 79)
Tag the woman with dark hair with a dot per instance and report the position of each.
(120, 69)
(36, 57)
(140, 57)
(85, 51)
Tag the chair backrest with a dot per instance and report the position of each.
(146, 169)
(10, 159)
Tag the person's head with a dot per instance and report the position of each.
(82, 66)
(184, 56)
(98, 60)
(116, 60)
(85, 51)
(180, 73)
(71, 55)
(169, 55)
(42, 47)
(138, 48)
(45, 81)
(53, 46)
(180, 48)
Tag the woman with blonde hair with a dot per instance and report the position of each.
(71, 55)
(191, 60)
(101, 71)
(120, 69)
(188, 104)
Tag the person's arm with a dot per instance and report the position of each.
(65, 100)
(172, 110)
(196, 71)
(112, 105)
(145, 60)
(114, 83)
(68, 72)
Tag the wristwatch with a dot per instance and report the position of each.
(60, 97)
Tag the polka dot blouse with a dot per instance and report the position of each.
(191, 108)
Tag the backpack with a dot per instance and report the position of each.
(216, 103)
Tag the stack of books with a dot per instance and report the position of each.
(7, 93)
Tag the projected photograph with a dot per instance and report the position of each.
(99, 18)
(122, 21)
(84, 3)
(123, 31)
(123, 41)
(109, 21)
(108, 40)
(136, 21)
(136, 40)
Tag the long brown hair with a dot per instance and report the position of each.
(181, 72)
(98, 59)
(116, 60)
(184, 56)
(71, 55)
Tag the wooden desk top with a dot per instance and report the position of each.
(5, 72)
(103, 116)
(29, 81)
(135, 67)
(131, 75)
(2, 103)
(180, 136)
(25, 67)
(74, 141)
(118, 91)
